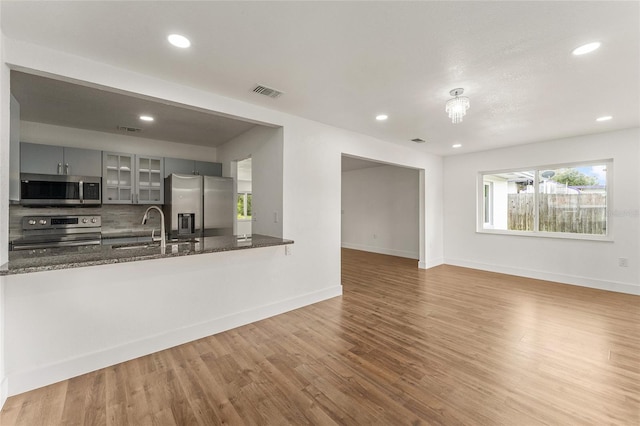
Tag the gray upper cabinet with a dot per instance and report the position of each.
(191, 167)
(82, 162)
(205, 168)
(58, 160)
(178, 165)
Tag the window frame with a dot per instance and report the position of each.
(487, 204)
(480, 200)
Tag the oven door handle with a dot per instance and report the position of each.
(81, 192)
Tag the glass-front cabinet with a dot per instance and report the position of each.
(117, 178)
(150, 180)
(132, 179)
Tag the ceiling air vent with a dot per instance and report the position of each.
(267, 91)
(128, 129)
(418, 140)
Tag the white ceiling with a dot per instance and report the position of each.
(342, 63)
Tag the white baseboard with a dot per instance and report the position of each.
(382, 250)
(4, 391)
(24, 381)
(430, 263)
(618, 287)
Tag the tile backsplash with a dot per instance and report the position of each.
(116, 219)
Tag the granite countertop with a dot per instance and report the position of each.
(127, 249)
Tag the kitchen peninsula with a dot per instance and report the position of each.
(118, 250)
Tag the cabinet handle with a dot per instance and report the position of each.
(59, 168)
(67, 169)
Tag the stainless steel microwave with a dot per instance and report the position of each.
(59, 190)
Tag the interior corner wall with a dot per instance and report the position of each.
(572, 261)
(48, 134)
(264, 145)
(380, 210)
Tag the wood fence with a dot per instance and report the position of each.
(575, 213)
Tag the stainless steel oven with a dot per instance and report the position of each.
(58, 231)
(59, 190)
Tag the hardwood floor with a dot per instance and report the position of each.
(445, 346)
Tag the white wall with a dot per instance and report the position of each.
(48, 134)
(264, 145)
(380, 210)
(587, 263)
(63, 323)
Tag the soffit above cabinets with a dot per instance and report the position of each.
(45, 100)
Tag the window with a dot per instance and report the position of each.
(244, 206)
(561, 200)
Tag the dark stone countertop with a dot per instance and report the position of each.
(129, 249)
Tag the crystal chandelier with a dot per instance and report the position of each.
(457, 107)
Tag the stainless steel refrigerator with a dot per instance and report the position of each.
(219, 206)
(198, 205)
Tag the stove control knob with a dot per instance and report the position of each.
(94, 220)
(85, 220)
(42, 222)
(32, 222)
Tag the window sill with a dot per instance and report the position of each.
(556, 235)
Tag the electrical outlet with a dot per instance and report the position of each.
(287, 250)
(623, 262)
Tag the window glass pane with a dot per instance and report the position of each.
(240, 206)
(574, 200)
(512, 200)
(248, 204)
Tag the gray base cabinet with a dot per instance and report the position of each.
(58, 160)
(191, 167)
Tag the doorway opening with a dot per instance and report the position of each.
(243, 197)
(382, 208)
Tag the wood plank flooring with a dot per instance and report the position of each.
(445, 346)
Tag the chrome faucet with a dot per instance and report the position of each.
(163, 241)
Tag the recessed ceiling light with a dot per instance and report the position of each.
(604, 118)
(179, 41)
(381, 117)
(456, 145)
(146, 118)
(587, 48)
